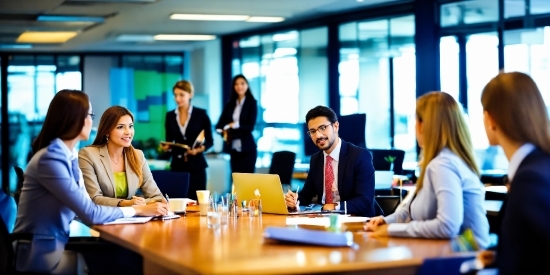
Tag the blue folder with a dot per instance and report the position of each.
(311, 237)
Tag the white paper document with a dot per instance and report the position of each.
(322, 221)
(130, 220)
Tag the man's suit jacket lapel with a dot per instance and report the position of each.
(320, 175)
(342, 167)
(104, 157)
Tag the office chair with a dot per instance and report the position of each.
(282, 164)
(381, 163)
(388, 203)
(175, 184)
(20, 178)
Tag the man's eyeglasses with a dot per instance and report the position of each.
(92, 115)
(321, 129)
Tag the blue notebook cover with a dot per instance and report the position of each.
(311, 237)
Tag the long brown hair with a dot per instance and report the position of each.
(108, 122)
(64, 119)
(443, 125)
(516, 105)
(234, 95)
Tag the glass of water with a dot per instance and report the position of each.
(213, 216)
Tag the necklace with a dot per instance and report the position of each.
(115, 162)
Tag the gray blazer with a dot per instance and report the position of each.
(50, 199)
(99, 177)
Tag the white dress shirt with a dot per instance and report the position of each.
(183, 127)
(517, 158)
(236, 143)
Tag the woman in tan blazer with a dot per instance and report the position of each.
(113, 169)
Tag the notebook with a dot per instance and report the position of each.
(270, 189)
(310, 237)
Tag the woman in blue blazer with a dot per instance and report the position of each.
(53, 192)
(183, 125)
(516, 119)
(236, 124)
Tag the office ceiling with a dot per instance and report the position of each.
(149, 17)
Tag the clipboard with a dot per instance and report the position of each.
(198, 142)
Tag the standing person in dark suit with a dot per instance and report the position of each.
(516, 118)
(183, 125)
(236, 124)
(340, 173)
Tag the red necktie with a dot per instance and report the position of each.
(329, 180)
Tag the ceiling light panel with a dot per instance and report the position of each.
(266, 19)
(135, 38)
(70, 18)
(45, 37)
(184, 37)
(209, 17)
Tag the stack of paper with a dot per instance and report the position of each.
(130, 220)
(322, 220)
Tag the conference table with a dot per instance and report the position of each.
(187, 246)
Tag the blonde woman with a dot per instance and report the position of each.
(449, 197)
(516, 119)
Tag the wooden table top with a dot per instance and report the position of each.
(187, 245)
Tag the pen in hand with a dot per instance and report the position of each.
(296, 201)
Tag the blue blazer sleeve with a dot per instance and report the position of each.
(55, 176)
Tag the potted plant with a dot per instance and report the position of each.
(390, 160)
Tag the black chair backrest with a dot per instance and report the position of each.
(175, 184)
(20, 178)
(282, 164)
(352, 129)
(6, 249)
(388, 203)
(381, 163)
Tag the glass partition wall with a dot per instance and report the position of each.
(377, 77)
(481, 38)
(286, 73)
(142, 83)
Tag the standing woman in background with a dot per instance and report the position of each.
(183, 125)
(236, 124)
(516, 119)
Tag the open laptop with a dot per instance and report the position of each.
(270, 189)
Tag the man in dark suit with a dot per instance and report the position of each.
(341, 175)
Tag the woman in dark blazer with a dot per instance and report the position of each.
(516, 119)
(236, 124)
(183, 125)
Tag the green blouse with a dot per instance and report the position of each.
(121, 185)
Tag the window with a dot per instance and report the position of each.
(33, 80)
(469, 12)
(376, 61)
(287, 75)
